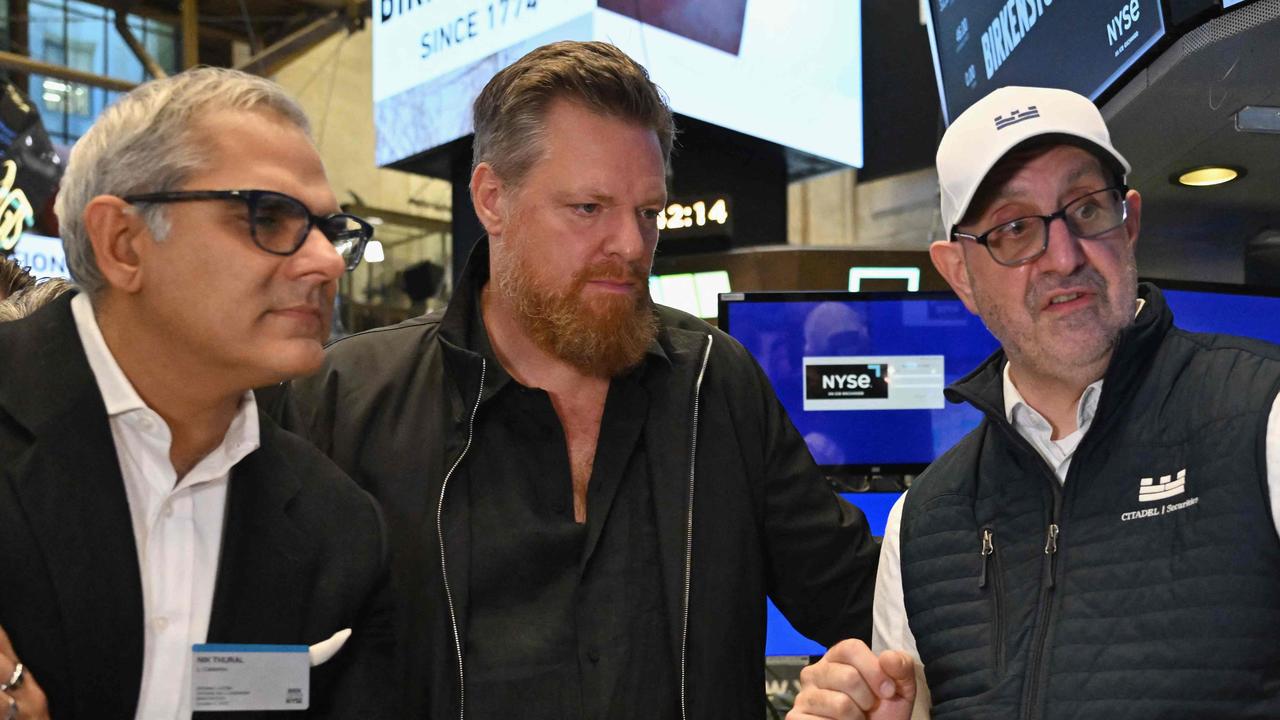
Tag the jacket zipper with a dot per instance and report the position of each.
(989, 558)
(688, 548)
(444, 570)
(1032, 694)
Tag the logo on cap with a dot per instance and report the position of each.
(1016, 117)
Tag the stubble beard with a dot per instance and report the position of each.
(603, 337)
(1079, 357)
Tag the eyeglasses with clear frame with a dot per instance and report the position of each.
(278, 223)
(1023, 240)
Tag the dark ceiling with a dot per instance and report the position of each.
(1179, 113)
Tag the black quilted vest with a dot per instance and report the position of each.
(1159, 597)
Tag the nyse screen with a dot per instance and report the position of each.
(981, 45)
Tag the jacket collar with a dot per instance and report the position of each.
(984, 387)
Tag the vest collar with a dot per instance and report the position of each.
(984, 387)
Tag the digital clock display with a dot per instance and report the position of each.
(696, 217)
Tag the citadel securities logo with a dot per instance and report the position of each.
(1152, 489)
(845, 381)
(1017, 116)
(1149, 490)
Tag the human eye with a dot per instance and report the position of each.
(1086, 209)
(1014, 229)
(586, 209)
(272, 212)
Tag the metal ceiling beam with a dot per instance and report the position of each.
(190, 34)
(22, 63)
(122, 26)
(284, 50)
(207, 30)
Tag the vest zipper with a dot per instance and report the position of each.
(444, 570)
(688, 547)
(1031, 697)
(1051, 549)
(989, 557)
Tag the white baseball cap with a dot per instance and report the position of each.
(1004, 120)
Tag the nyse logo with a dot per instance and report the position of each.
(1126, 18)
(845, 381)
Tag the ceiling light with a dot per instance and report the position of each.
(373, 252)
(1208, 175)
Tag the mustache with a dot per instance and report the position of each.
(614, 270)
(1087, 278)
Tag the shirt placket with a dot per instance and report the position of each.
(171, 560)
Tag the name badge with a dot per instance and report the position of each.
(250, 677)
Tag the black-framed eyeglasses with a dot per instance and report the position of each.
(278, 223)
(1021, 241)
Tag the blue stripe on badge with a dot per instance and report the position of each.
(250, 648)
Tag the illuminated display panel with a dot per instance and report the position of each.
(789, 73)
(981, 45)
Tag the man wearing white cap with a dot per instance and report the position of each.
(1107, 541)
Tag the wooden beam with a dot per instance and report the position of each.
(190, 34)
(122, 26)
(275, 56)
(22, 63)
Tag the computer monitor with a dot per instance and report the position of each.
(1227, 309)
(861, 376)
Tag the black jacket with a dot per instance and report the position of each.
(1147, 585)
(303, 549)
(741, 508)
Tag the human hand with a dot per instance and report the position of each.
(20, 695)
(851, 683)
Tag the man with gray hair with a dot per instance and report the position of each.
(146, 505)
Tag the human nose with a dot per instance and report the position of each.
(1063, 252)
(318, 257)
(631, 237)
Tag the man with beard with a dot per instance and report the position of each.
(1107, 542)
(589, 496)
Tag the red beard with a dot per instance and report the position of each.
(603, 337)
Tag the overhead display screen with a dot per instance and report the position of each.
(981, 45)
(786, 72)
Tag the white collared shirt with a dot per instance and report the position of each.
(177, 523)
(890, 628)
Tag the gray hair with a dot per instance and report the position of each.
(31, 298)
(144, 143)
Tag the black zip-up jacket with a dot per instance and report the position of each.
(741, 508)
(1145, 586)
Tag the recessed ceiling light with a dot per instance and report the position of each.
(1208, 175)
